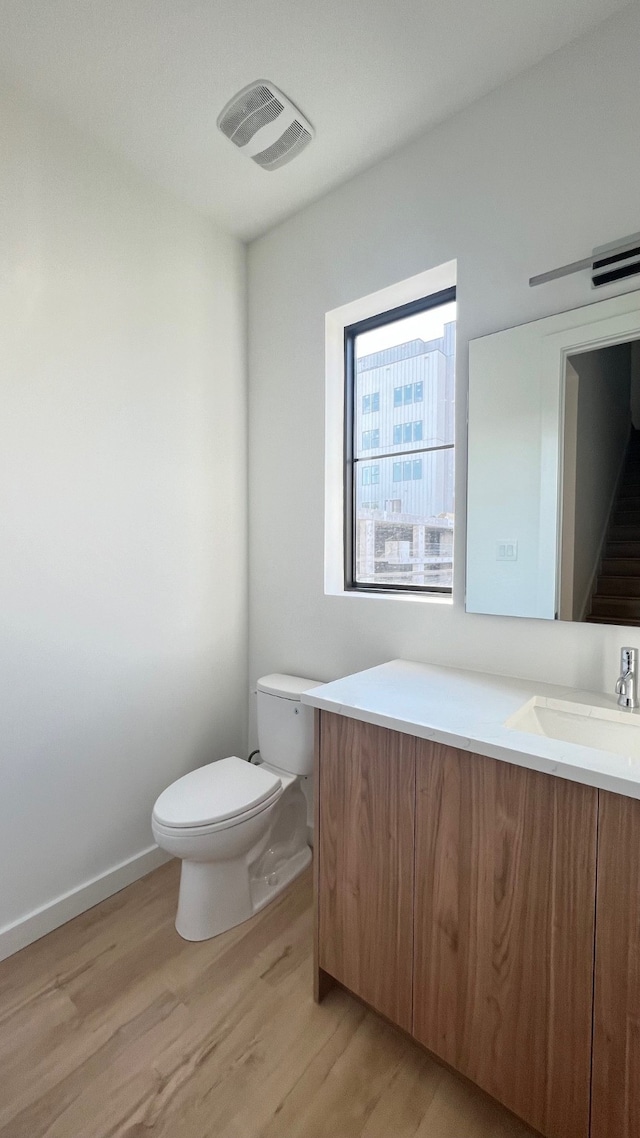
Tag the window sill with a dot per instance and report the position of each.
(370, 594)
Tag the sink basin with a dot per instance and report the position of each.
(604, 728)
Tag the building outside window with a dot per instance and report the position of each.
(407, 432)
(399, 359)
(407, 471)
(409, 393)
(370, 439)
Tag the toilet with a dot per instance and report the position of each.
(241, 829)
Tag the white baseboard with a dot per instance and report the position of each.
(41, 921)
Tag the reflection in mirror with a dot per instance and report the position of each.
(553, 476)
(600, 541)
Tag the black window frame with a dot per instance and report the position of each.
(351, 331)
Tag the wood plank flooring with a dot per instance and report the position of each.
(114, 1027)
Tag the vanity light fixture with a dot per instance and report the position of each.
(607, 264)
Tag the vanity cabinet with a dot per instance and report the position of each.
(616, 1020)
(504, 926)
(456, 894)
(365, 798)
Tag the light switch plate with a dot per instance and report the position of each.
(507, 549)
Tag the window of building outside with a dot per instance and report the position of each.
(370, 439)
(400, 375)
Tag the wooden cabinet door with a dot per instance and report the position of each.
(616, 1038)
(504, 932)
(366, 800)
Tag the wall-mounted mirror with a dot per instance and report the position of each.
(553, 507)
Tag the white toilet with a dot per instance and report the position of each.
(240, 829)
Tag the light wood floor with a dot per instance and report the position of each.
(114, 1026)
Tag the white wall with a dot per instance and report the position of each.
(495, 188)
(123, 509)
(604, 425)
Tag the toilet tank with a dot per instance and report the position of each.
(285, 725)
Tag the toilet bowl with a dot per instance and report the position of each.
(241, 829)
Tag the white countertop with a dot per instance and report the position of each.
(468, 710)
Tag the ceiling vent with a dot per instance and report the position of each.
(265, 125)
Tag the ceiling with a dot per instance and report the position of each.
(149, 78)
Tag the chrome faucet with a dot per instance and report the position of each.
(627, 684)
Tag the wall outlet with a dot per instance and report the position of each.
(507, 549)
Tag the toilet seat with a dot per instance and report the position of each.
(216, 796)
(160, 829)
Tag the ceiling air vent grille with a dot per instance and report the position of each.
(255, 121)
(265, 125)
(287, 146)
(239, 108)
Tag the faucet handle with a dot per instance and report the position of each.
(628, 659)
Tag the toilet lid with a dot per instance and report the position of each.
(215, 793)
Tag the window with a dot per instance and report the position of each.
(370, 439)
(370, 475)
(407, 471)
(410, 393)
(398, 352)
(407, 432)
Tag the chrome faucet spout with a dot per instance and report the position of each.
(627, 682)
